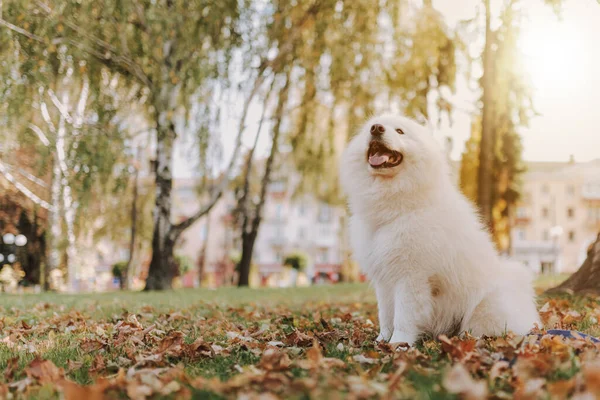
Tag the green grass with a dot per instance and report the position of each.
(103, 304)
(545, 282)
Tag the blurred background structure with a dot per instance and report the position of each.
(150, 145)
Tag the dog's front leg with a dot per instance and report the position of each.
(412, 309)
(385, 305)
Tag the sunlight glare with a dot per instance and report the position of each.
(555, 57)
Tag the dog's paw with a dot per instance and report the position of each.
(382, 338)
(384, 335)
(402, 339)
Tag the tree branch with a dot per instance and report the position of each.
(40, 134)
(176, 230)
(116, 62)
(47, 118)
(24, 190)
(81, 104)
(60, 106)
(27, 175)
(243, 202)
(22, 31)
(283, 98)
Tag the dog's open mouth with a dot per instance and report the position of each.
(380, 156)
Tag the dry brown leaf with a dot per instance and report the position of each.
(459, 381)
(44, 371)
(73, 391)
(591, 376)
(561, 389)
(89, 345)
(297, 338)
(173, 340)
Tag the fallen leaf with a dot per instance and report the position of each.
(459, 381)
(173, 340)
(44, 371)
(90, 345)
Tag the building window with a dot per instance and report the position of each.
(545, 189)
(521, 234)
(324, 213)
(278, 209)
(545, 212)
(301, 233)
(278, 256)
(546, 235)
(204, 232)
(571, 190)
(323, 256)
(571, 236)
(521, 212)
(302, 209)
(547, 268)
(570, 212)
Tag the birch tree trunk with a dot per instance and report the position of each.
(55, 231)
(69, 206)
(162, 265)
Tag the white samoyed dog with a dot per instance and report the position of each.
(418, 239)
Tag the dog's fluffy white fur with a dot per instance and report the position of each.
(432, 264)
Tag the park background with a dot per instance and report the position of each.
(194, 145)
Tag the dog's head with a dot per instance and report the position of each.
(392, 155)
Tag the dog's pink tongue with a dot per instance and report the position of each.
(378, 159)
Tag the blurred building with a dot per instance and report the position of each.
(290, 223)
(209, 243)
(298, 223)
(559, 215)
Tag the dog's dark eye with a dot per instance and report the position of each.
(400, 131)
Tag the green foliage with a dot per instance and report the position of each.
(345, 68)
(469, 163)
(184, 264)
(119, 270)
(296, 260)
(511, 108)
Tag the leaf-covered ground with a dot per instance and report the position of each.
(300, 343)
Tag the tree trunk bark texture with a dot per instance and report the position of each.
(248, 241)
(132, 239)
(587, 279)
(249, 237)
(486, 151)
(161, 270)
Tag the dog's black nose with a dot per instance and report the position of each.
(377, 130)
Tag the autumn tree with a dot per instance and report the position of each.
(342, 68)
(492, 163)
(170, 51)
(75, 143)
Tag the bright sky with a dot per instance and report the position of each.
(563, 59)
